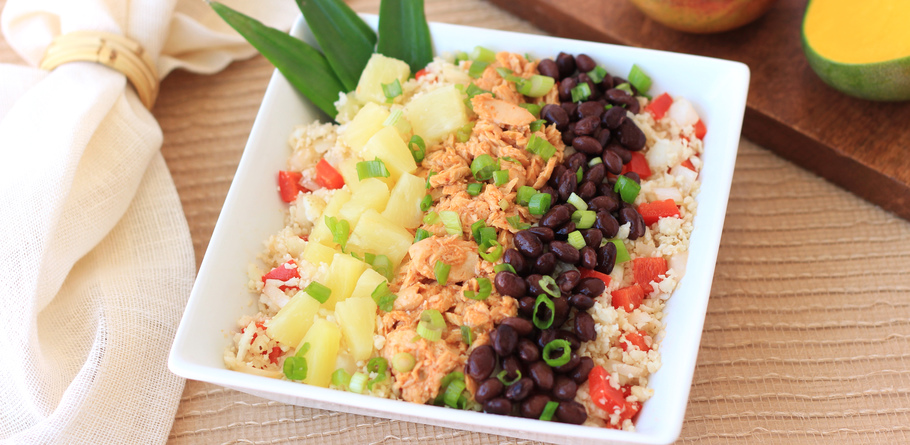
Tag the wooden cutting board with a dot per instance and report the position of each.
(860, 145)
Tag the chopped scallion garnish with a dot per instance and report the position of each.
(595, 161)
(622, 254)
(504, 267)
(383, 265)
(441, 272)
(539, 203)
(504, 204)
(584, 219)
(358, 382)
(466, 335)
(548, 284)
(383, 297)
(500, 177)
(474, 188)
(453, 393)
(576, 239)
(536, 86)
(393, 118)
(391, 90)
(537, 125)
(532, 108)
(452, 221)
(430, 175)
(486, 234)
(608, 106)
(340, 229)
(543, 316)
(557, 346)
(503, 374)
(515, 222)
(464, 133)
(640, 80)
(431, 325)
(426, 203)
(372, 169)
(625, 87)
(318, 291)
(549, 410)
(475, 230)
(420, 235)
(525, 193)
(540, 146)
(380, 366)
(403, 362)
(576, 201)
(477, 68)
(490, 255)
(341, 378)
(461, 56)
(295, 367)
(431, 218)
(597, 74)
(483, 166)
(474, 90)
(483, 54)
(581, 92)
(418, 148)
(627, 188)
(484, 288)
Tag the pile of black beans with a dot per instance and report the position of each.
(517, 344)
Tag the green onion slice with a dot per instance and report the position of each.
(418, 148)
(625, 87)
(431, 324)
(532, 108)
(431, 218)
(552, 347)
(576, 201)
(340, 229)
(475, 230)
(622, 254)
(474, 188)
(477, 68)
(548, 284)
(318, 291)
(504, 267)
(500, 177)
(516, 223)
(487, 254)
(537, 125)
(403, 362)
(540, 146)
(461, 56)
(393, 118)
(452, 221)
(383, 298)
(627, 188)
(453, 393)
(380, 366)
(383, 265)
(503, 374)
(426, 203)
(441, 271)
(484, 288)
(358, 382)
(537, 318)
(597, 74)
(539, 203)
(608, 106)
(372, 169)
(464, 133)
(420, 235)
(536, 86)
(295, 368)
(579, 174)
(525, 193)
(576, 239)
(483, 166)
(595, 161)
(581, 92)
(391, 90)
(474, 90)
(486, 235)
(449, 378)
(483, 54)
(504, 204)
(341, 378)
(640, 80)
(430, 175)
(584, 219)
(549, 410)
(466, 335)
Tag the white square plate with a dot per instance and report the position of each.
(253, 211)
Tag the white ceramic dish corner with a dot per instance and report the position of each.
(253, 211)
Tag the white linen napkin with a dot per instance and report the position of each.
(96, 261)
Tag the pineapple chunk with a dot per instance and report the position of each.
(437, 114)
(365, 124)
(316, 253)
(388, 146)
(342, 277)
(376, 234)
(379, 70)
(404, 203)
(367, 284)
(324, 338)
(357, 318)
(293, 321)
(321, 233)
(372, 194)
(348, 170)
(401, 124)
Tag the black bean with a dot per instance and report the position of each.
(606, 258)
(561, 312)
(587, 145)
(613, 117)
(567, 183)
(592, 237)
(590, 286)
(570, 411)
(586, 190)
(513, 258)
(489, 389)
(565, 89)
(564, 388)
(574, 360)
(633, 176)
(534, 286)
(503, 407)
(584, 327)
(512, 366)
(595, 92)
(544, 233)
(533, 406)
(548, 68)
(623, 153)
(528, 244)
(580, 373)
(586, 126)
(619, 81)
(588, 256)
(567, 280)
(508, 283)
(554, 195)
(618, 97)
(545, 264)
(595, 174)
(574, 342)
(566, 64)
(481, 363)
(555, 175)
(612, 162)
(504, 340)
(528, 352)
(565, 252)
(637, 224)
(603, 136)
(520, 390)
(570, 108)
(555, 115)
(607, 83)
(606, 223)
(575, 161)
(526, 306)
(604, 203)
(521, 326)
(545, 336)
(630, 136)
(542, 375)
(591, 108)
(563, 232)
(567, 137)
(581, 301)
(585, 63)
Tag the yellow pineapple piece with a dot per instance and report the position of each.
(388, 146)
(321, 233)
(376, 234)
(437, 114)
(380, 70)
(293, 321)
(342, 277)
(372, 194)
(367, 284)
(316, 253)
(403, 207)
(357, 318)
(324, 338)
(364, 125)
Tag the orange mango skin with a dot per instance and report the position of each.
(703, 16)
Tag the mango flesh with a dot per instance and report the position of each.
(848, 31)
(703, 16)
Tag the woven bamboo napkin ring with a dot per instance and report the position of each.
(112, 50)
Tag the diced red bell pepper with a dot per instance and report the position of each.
(421, 73)
(327, 176)
(700, 129)
(651, 212)
(628, 298)
(688, 164)
(629, 410)
(639, 165)
(283, 273)
(289, 185)
(585, 273)
(274, 355)
(637, 339)
(659, 106)
(604, 395)
(647, 270)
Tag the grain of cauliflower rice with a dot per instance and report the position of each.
(446, 246)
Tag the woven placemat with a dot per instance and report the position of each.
(806, 337)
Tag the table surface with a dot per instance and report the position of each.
(806, 336)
